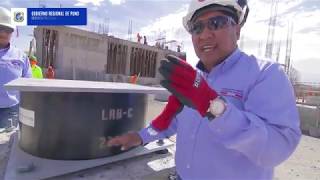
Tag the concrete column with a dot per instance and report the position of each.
(38, 33)
(128, 61)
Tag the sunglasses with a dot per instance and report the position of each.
(213, 23)
(6, 29)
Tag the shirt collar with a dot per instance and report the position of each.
(225, 64)
(5, 49)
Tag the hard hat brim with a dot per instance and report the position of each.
(213, 7)
(225, 5)
(8, 25)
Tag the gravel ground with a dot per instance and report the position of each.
(5, 144)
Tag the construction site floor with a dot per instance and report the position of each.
(304, 164)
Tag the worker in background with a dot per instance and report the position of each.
(36, 70)
(134, 78)
(227, 115)
(13, 64)
(178, 48)
(50, 73)
(139, 37)
(158, 44)
(145, 40)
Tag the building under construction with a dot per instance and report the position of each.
(82, 55)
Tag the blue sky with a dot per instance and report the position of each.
(162, 18)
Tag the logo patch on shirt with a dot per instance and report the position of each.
(232, 93)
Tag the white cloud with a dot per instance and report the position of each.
(305, 45)
(170, 27)
(85, 2)
(306, 37)
(117, 2)
(165, 26)
(6, 3)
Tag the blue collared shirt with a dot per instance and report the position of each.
(258, 130)
(13, 64)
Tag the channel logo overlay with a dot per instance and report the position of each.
(48, 16)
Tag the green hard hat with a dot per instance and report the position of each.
(33, 58)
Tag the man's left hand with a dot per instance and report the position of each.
(186, 84)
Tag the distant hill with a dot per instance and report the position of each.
(309, 70)
(310, 77)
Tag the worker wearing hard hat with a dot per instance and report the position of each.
(36, 70)
(50, 73)
(234, 115)
(13, 64)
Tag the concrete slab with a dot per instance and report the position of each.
(23, 166)
(57, 85)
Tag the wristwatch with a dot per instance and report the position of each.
(217, 106)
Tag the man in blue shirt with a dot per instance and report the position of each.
(238, 118)
(13, 64)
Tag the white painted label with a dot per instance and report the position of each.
(26, 117)
(116, 114)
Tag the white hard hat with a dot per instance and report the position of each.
(5, 18)
(238, 7)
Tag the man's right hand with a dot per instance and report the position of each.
(186, 84)
(126, 141)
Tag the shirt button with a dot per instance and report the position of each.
(188, 166)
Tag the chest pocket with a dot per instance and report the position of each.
(233, 96)
(10, 69)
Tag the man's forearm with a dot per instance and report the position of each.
(150, 134)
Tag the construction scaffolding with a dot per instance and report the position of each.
(271, 28)
(117, 54)
(288, 49)
(82, 55)
(143, 62)
(49, 44)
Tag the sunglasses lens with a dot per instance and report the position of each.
(214, 23)
(197, 27)
(218, 22)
